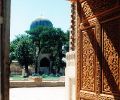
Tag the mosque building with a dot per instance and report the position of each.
(44, 62)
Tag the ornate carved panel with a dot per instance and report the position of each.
(98, 50)
(93, 7)
(98, 8)
(111, 53)
(99, 53)
(88, 61)
(78, 52)
(86, 10)
(73, 26)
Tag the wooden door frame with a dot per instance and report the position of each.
(4, 48)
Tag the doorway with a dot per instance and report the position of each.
(4, 45)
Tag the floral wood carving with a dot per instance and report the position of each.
(99, 85)
(85, 95)
(88, 64)
(98, 68)
(78, 52)
(111, 49)
(86, 9)
(98, 6)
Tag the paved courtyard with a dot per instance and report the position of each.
(38, 93)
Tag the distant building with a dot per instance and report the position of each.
(41, 22)
(44, 61)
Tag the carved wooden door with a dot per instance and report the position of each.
(98, 50)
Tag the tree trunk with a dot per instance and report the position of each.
(36, 67)
(58, 69)
(26, 70)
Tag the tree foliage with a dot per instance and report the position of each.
(51, 40)
(24, 50)
(47, 39)
(13, 46)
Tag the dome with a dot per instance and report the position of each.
(41, 22)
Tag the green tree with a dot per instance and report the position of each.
(50, 40)
(25, 52)
(12, 52)
(13, 46)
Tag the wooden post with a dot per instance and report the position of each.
(4, 48)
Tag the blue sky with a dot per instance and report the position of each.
(23, 12)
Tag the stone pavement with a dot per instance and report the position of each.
(38, 93)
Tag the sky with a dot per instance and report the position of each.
(23, 12)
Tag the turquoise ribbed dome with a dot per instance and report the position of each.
(41, 22)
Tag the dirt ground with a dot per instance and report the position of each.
(38, 93)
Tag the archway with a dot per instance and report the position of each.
(4, 47)
(45, 66)
(44, 62)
